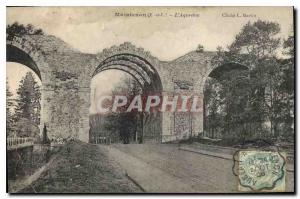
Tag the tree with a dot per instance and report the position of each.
(288, 46)
(212, 104)
(287, 87)
(9, 114)
(25, 128)
(257, 41)
(279, 91)
(28, 101)
(269, 77)
(17, 29)
(126, 124)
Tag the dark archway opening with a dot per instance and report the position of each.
(14, 54)
(24, 83)
(133, 126)
(225, 103)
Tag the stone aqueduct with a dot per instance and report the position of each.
(66, 75)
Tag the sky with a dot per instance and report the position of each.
(14, 73)
(99, 85)
(91, 29)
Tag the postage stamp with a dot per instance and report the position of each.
(261, 171)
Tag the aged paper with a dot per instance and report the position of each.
(150, 99)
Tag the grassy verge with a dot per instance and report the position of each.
(235, 143)
(82, 168)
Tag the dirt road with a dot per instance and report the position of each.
(152, 168)
(164, 168)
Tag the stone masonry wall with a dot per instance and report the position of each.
(66, 76)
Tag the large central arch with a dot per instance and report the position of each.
(136, 66)
(147, 76)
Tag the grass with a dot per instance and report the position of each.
(82, 168)
(236, 143)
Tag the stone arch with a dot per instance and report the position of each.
(23, 50)
(132, 59)
(216, 72)
(14, 54)
(138, 64)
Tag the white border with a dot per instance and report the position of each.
(111, 3)
(152, 3)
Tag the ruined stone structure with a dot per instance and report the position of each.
(66, 75)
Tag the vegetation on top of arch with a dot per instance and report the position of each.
(128, 47)
(20, 30)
